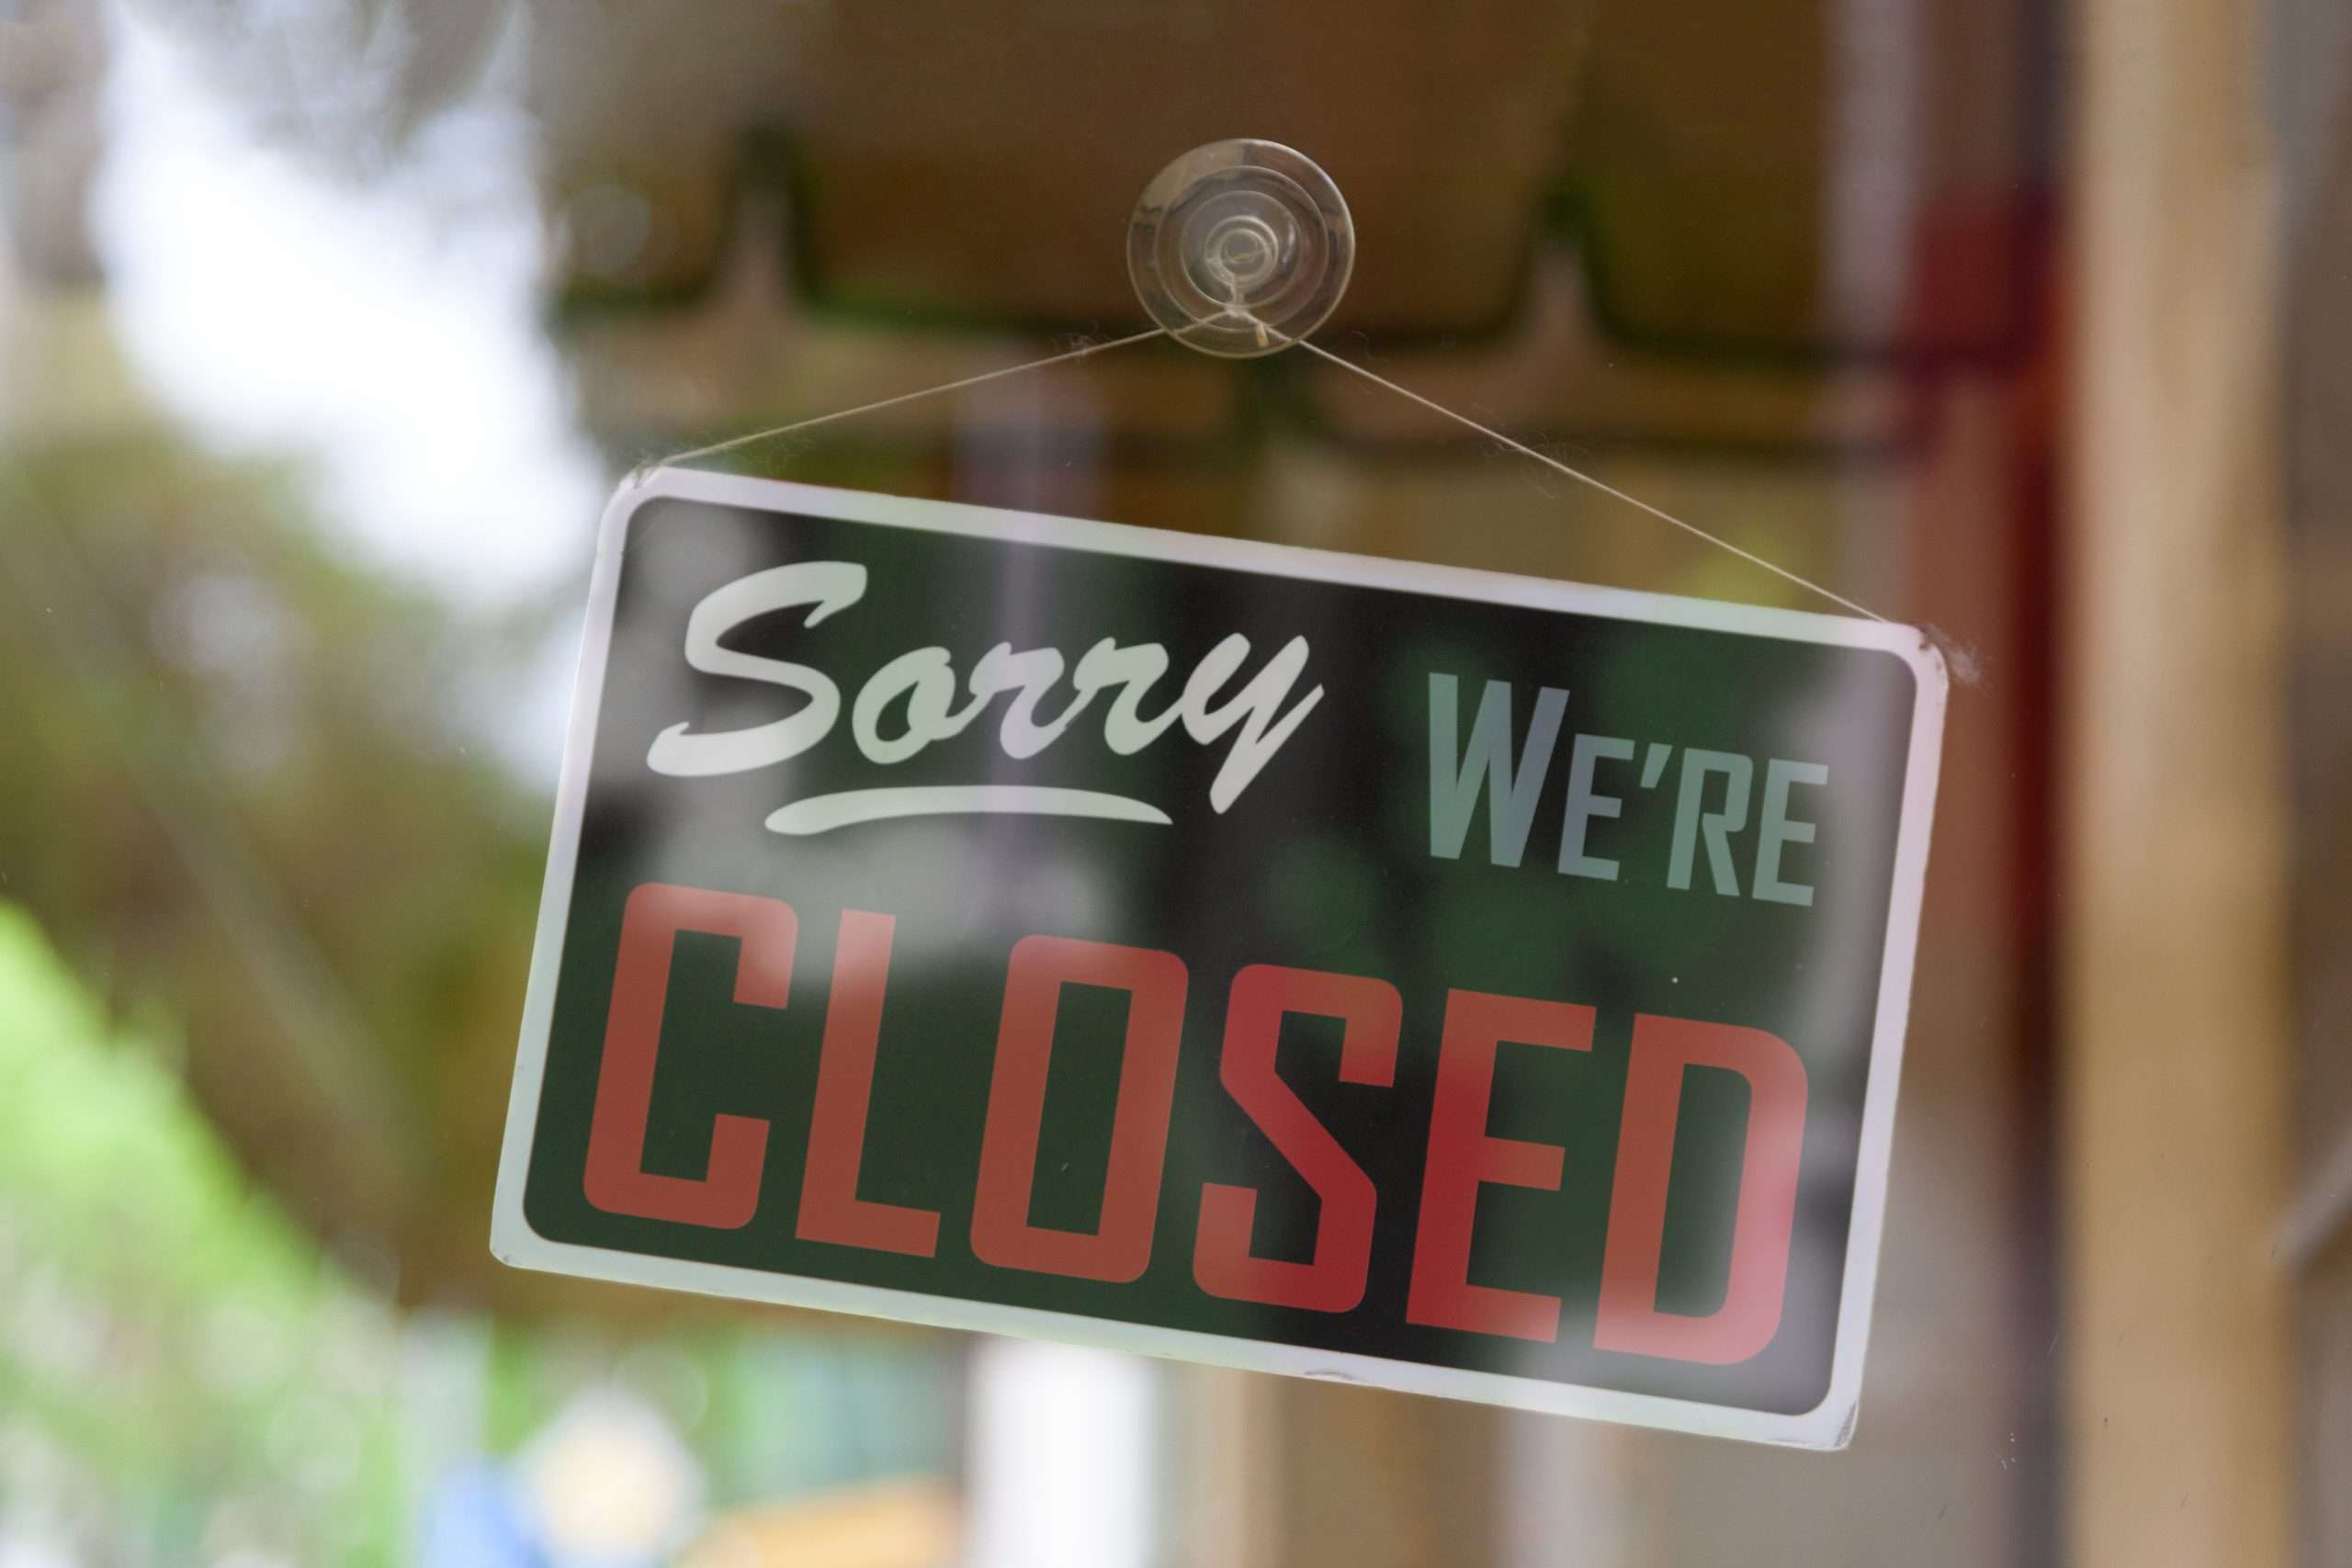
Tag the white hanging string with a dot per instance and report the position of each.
(1496, 436)
(1578, 475)
(1081, 352)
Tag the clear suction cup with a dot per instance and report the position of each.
(1237, 238)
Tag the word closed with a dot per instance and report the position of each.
(1464, 1154)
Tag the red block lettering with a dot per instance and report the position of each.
(1333, 1280)
(1750, 1314)
(830, 1210)
(1463, 1158)
(1120, 1246)
(616, 1180)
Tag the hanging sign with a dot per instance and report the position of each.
(1447, 981)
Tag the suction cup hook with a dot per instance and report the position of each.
(1239, 247)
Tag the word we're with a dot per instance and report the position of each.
(1462, 769)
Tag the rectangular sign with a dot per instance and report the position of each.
(1453, 982)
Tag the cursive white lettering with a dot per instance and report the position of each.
(920, 687)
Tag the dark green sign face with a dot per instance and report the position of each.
(1458, 983)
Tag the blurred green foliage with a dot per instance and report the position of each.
(179, 1364)
(185, 1376)
(246, 780)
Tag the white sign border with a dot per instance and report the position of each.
(1827, 1426)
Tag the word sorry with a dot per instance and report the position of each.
(1462, 1157)
(922, 683)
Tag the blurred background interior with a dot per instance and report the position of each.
(326, 324)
